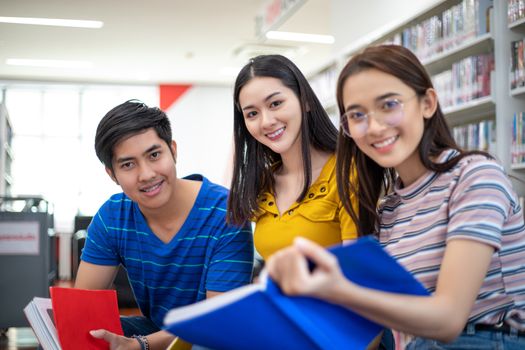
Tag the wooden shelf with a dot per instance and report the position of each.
(445, 59)
(470, 111)
(520, 23)
(518, 91)
(519, 166)
(8, 179)
(6, 152)
(9, 151)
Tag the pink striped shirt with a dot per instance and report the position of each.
(474, 200)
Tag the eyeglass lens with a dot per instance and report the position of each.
(357, 127)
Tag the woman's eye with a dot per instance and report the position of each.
(275, 104)
(391, 104)
(250, 114)
(356, 116)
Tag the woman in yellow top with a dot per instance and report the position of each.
(284, 162)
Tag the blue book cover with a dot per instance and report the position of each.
(260, 316)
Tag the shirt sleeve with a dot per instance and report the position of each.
(232, 262)
(348, 226)
(481, 203)
(98, 248)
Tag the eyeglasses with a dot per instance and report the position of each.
(389, 112)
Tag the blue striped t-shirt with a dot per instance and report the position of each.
(205, 254)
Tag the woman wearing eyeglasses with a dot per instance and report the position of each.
(449, 216)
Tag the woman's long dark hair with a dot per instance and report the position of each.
(374, 180)
(252, 169)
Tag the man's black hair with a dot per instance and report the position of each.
(125, 120)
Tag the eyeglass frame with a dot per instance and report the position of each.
(343, 119)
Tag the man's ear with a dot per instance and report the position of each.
(430, 102)
(173, 147)
(112, 175)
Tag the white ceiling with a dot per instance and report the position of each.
(154, 41)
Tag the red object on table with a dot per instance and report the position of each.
(78, 311)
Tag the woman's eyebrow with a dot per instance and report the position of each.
(265, 100)
(377, 99)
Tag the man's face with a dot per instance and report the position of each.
(144, 166)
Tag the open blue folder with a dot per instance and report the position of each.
(260, 316)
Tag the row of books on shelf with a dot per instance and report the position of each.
(517, 63)
(518, 139)
(515, 10)
(448, 29)
(480, 136)
(469, 79)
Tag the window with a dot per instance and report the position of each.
(53, 144)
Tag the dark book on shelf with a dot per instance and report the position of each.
(260, 316)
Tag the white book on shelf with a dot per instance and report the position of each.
(39, 313)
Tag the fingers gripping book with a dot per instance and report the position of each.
(260, 316)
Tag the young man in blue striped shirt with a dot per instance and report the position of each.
(169, 233)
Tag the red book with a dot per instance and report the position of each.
(78, 311)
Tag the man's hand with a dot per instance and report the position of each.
(116, 342)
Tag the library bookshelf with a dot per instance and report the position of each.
(469, 47)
